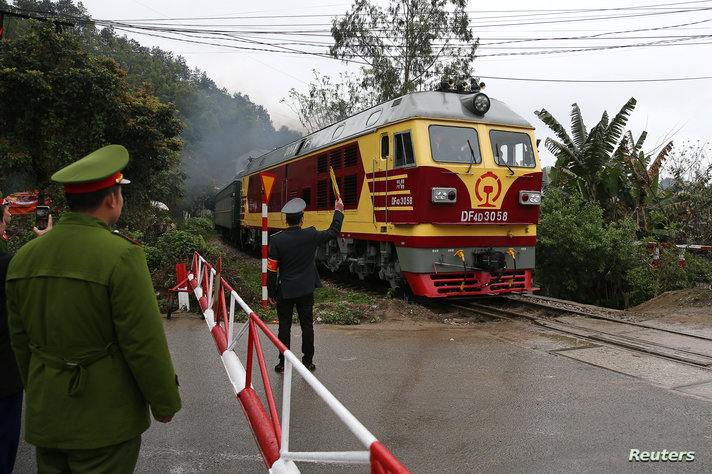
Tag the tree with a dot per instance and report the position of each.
(58, 103)
(406, 45)
(327, 103)
(642, 173)
(584, 161)
(688, 210)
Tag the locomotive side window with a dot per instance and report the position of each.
(385, 145)
(512, 149)
(454, 144)
(403, 150)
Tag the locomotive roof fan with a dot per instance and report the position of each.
(478, 103)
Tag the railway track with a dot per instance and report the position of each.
(678, 346)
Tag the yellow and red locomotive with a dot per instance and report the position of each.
(441, 191)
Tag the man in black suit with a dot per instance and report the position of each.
(11, 384)
(292, 275)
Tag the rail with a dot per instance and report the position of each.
(271, 435)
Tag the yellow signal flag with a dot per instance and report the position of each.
(333, 183)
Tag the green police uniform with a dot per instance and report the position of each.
(87, 333)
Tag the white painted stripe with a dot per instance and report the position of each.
(351, 457)
(235, 371)
(209, 318)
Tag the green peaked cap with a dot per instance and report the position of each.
(97, 167)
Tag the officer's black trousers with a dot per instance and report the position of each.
(285, 308)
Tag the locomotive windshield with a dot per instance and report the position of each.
(512, 149)
(450, 144)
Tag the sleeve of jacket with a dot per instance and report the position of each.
(272, 267)
(139, 330)
(333, 231)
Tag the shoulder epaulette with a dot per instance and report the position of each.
(116, 232)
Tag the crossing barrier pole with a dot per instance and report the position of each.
(272, 437)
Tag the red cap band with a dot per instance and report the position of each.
(78, 188)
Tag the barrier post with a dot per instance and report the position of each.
(267, 182)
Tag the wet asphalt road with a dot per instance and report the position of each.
(496, 397)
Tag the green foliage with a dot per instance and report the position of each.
(652, 278)
(202, 226)
(174, 247)
(109, 89)
(58, 103)
(20, 232)
(425, 40)
(578, 257)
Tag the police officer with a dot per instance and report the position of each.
(292, 275)
(86, 330)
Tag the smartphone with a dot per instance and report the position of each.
(41, 217)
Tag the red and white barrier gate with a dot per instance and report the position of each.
(273, 439)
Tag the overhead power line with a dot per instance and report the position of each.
(302, 34)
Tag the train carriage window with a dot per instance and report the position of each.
(513, 149)
(454, 144)
(403, 150)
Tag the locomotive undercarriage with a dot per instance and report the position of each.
(432, 272)
(362, 258)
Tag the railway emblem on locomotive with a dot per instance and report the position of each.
(491, 187)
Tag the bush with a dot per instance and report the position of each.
(202, 226)
(650, 279)
(578, 257)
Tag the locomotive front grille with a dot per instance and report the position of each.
(450, 283)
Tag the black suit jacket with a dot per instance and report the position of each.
(293, 250)
(10, 382)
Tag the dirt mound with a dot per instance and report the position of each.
(690, 306)
(692, 297)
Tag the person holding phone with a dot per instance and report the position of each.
(10, 383)
(5, 219)
(91, 352)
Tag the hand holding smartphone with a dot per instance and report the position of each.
(41, 217)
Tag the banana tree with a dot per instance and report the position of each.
(642, 173)
(584, 159)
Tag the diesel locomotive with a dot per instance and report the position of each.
(441, 192)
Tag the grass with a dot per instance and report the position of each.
(331, 305)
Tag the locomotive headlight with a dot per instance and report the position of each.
(444, 195)
(530, 198)
(481, 103)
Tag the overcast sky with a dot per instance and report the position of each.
(526, 56)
